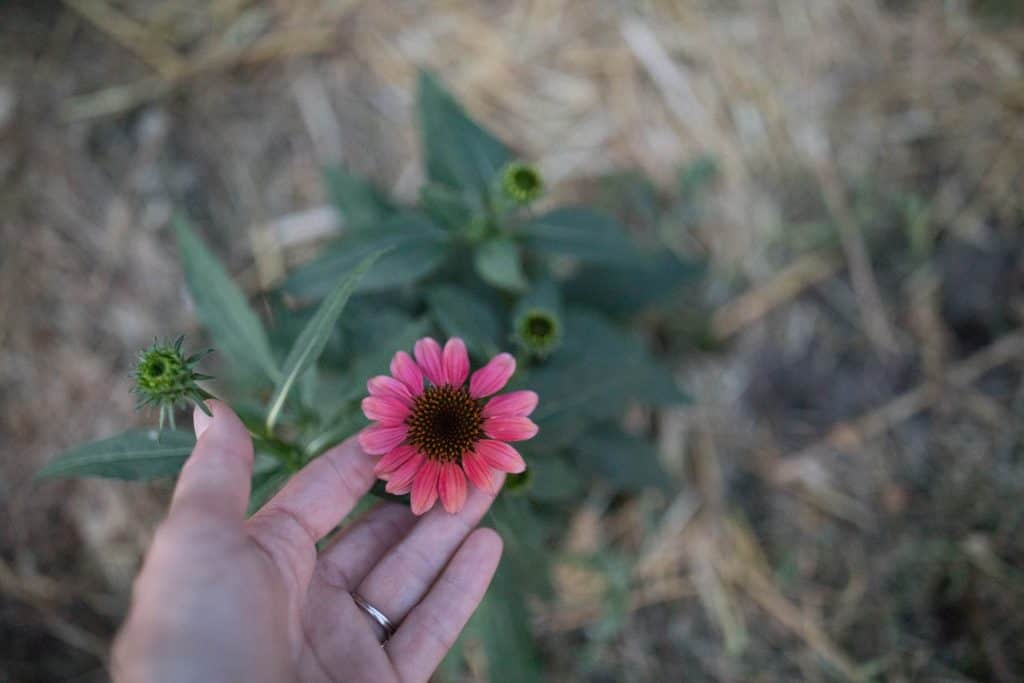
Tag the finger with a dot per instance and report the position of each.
(430, 630)
(339, 629)
(350, 556)
(406, 572)
(215, 479)
(312, 504)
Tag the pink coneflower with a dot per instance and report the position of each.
(433, 438)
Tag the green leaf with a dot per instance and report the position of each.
(458, 153)
(581, 233)
(136, 455)
(624, 290)
(597, 371)
(500, 264)
(528, 539)
(553, 479)
(314, 337)
(559, 428)
(502, 622)
(334, 433)
(501, 625)
(630, 196)
(417, 248)
(627, 462)
(448, 207)
(234, 327)
(460, 313)
(375, 356)
(359, 202)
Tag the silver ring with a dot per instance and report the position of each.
(377, 616)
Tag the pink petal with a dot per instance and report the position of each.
(389, 411)
(405, 370)
(424, 487)
(509, 428)
(451, 487)
(493, 376)
(394, 459)
(456, 362)
(382, 385)
(378, 439)
(400, 480)
(478, 471)
(428, 355)
(500, 456)
(514, 403)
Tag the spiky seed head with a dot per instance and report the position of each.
(166, 378)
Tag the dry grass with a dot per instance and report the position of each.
(865, 237)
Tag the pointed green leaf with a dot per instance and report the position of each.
(136, 455)
(502, 622)
(377, 354)
(460, 313)
(334, 432)
(311, 341)
(457, 152)
(501, 625)
(625, 461)
(625, 290)
(499, 263)
(448, 207)
(580, 233)
(234, 327)
(416, 248)
(598, 369)
(554, 480)
(361, 205)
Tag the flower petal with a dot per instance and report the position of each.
(493, 376)
(400, 480)
(382, 385)
(387, 410)
(509, 428)
(514, 403)
(424, 486)
(428, 356)
(456, 362)
(404, 369)
(478, 471)
(451, 487)
(378, 439)
(500, 456)
(394, 459)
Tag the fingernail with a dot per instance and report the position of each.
(200, 420)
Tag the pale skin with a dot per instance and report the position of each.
(225, 598)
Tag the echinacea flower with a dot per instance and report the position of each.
(165, 378)
(433, 437)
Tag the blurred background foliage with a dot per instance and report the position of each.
(842, 501)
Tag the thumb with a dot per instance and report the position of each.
(216, 477)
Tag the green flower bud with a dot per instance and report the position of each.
(165, 378)
(537, 320)
(538, 331)
(522, 182)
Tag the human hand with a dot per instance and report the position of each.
(223, 598)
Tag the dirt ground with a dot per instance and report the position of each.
(851, 479)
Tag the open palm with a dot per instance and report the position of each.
(224, 598)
